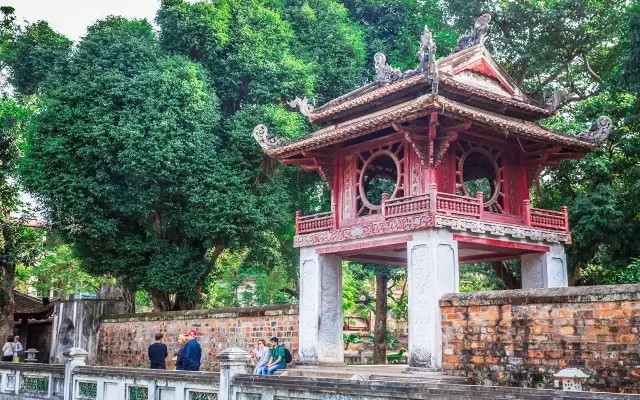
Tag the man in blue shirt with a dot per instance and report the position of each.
(192, 353)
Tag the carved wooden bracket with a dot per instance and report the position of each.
(416, 135)
(446, 136)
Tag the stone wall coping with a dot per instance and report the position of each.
(147, 374)
(577, 294)
(32, 367)
(417, 389)
(231, 312)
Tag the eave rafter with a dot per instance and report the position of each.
(311, 161)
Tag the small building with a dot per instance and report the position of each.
(33, 318)
(428, 169)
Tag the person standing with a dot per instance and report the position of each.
(158, 353)
(192, 353)
(19, 348)
(182, 339)
(263, 355)
(9, 349)
(277, 360)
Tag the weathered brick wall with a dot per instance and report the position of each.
(124, 338)
(523, 337)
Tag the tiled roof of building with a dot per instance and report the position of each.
(30, 307)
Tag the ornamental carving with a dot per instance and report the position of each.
(477, 35)
(394, 225)
(266, 139)
(384, 72)
(598, 132)
(304, 105)
(498, 229)
(481, 168)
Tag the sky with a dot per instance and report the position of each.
(71, 17)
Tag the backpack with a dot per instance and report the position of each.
(287, 355)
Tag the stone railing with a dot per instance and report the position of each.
(31, 381)
(137, 383)
(75, 381)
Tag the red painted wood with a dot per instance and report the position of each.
(396, 261)
(501, 243)
(482, 67)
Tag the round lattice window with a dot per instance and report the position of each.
(479, 170)
(380, 174)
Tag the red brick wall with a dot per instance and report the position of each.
(124, 339)
(523, 337)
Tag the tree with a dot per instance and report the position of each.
(122, 157)
(550, 45)
(18, 244)
(37, 52)
(58, 269)
(394, 28)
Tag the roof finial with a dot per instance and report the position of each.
(477, 35)
(598, 132)
(384, 72)
(427, 56)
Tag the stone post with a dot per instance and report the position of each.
(432, 270)
(75, 357)
(233, 361)
(545, 270)
(321, 314)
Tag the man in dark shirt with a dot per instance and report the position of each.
(158, 353)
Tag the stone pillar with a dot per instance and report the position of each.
(233, 361)
(321, 314)
(545, 270)
(432, 263)
(75, 357)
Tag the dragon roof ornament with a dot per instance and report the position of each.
(427, 56)
(598, 132)
(305, 105)
(477, 35)
(266, 139)
(384, 72)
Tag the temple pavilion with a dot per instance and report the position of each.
(429, 169)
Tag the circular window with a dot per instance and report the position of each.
(480, 174)
(380, 175)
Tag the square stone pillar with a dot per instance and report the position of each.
(432, 262)
(545, 270)
(321, 314)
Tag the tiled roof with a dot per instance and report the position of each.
(421, 106)
(30, 307)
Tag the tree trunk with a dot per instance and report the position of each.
(129, 297)
(7, 304)
(380, 329)
(160, 301)
(505, 273)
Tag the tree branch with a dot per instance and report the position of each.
(595, 76)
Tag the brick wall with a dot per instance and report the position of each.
(523, 337)
(124, 339)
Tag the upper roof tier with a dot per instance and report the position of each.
(466, 85)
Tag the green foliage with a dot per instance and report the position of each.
(478, 278)
(58, 269)
(329, 41)
(548, 44)
(38, 52)
(390, 340)
(394, 28)
(350, 338)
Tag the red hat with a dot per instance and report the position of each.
(193, 333)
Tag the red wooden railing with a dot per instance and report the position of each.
(461, 206)
(445, 204)
(313, 223)
(405, 205)
(546, 219)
